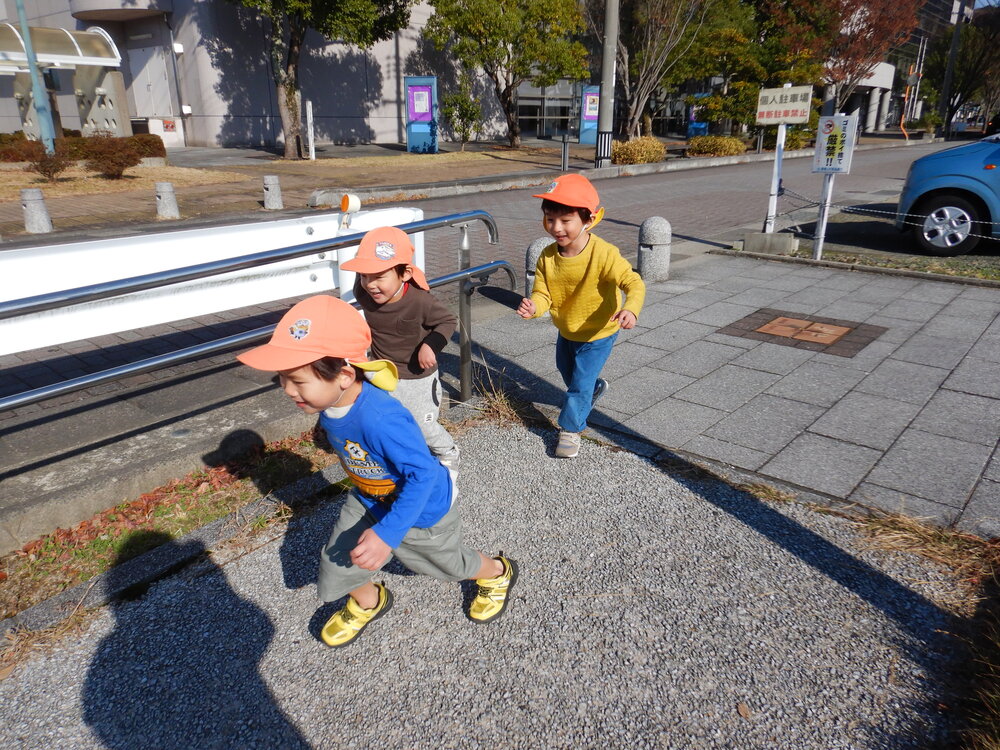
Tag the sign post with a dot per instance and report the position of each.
(834, 149)
(788, 105)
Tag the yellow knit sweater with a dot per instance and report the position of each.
(582, 292)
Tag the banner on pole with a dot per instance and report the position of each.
(790, 106)
(835, 144)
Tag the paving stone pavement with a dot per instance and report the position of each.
(908, 424)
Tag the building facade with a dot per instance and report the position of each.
(198, 73)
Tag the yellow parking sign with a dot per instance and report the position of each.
(835, 144)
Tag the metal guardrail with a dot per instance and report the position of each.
(471, 278)
(64, 298)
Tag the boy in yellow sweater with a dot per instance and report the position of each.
(579, 280)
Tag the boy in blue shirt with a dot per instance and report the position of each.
(402, 500)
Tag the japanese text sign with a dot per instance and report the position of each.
(790, 106)
(835, 144)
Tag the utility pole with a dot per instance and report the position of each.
(606, 104)
(38, 92)
(949, 71)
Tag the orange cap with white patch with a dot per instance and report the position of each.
(384, 248)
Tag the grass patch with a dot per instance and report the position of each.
(969, 266)
(78, 181)
(767, 493)
(66, 557)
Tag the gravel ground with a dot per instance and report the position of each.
(652, 612)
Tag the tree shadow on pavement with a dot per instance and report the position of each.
(181, 669)
(925, 629)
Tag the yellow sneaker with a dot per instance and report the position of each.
(345, 626)
(493, 594)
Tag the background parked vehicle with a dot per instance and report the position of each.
(951, 199)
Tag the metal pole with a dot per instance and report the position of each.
(824, 213)
(38, 92)
(310, 133)
(772, 199)
(606, 104)
(465, 319)
(949, 71)
(564, 167)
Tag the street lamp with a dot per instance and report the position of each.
(606, 103)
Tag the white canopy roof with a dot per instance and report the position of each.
(57, 48)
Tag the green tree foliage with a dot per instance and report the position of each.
(512, 41)
(358, 22)
(977, 66)
(462, 110)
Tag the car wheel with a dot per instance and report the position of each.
(949, 225)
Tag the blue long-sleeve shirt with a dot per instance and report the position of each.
(384, 453)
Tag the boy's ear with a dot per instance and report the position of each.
(407, 273)
(348, 371)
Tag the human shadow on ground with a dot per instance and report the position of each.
(180, 669)
(926, 629)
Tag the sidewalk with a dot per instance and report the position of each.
(906, 422)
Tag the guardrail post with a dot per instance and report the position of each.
(465, 318)
(654, 249)
(565, 153)
(272, 193)
(36, 215)
(531, 256)
(166, 201)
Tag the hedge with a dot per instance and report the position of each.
(17, 149)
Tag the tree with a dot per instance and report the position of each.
(462, 110)
(653, 36)
(978, 62)
(869, 30)
(359, 22)
(513, 41)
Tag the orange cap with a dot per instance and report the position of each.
(317, 327)
(572, 190)
(384, 248)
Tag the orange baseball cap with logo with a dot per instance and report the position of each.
(317, 327)
(575, 191)
(384, 248)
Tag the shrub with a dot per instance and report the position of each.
(643, 150)
(149, 145)
(9, 139)
(715, 145)
(795, 139)
(23, 150)
(110, 156)
(49, 166)
(463, 111)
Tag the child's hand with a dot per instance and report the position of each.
(526, 309)
(371, 552)
(626, 318)
(426, 357)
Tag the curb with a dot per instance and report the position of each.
(322, 197)
(860, 267)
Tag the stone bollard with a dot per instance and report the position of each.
(531, 256)
(166, 201)
(36, 215)
(272, 193)
(654, 249)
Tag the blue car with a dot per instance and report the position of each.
(951, 199)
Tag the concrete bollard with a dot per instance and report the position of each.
(654, 249)
(531, 256)
(166, 201)
(36, 215)
(272, 193)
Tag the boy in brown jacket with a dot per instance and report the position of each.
(409, 327)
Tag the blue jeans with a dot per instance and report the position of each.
(580, 363)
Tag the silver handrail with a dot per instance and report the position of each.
(481, 273)
(67, 297)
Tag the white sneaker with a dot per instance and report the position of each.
(569, 444)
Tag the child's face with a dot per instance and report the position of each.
(383, 287)
(565, 228)
(311, 393)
